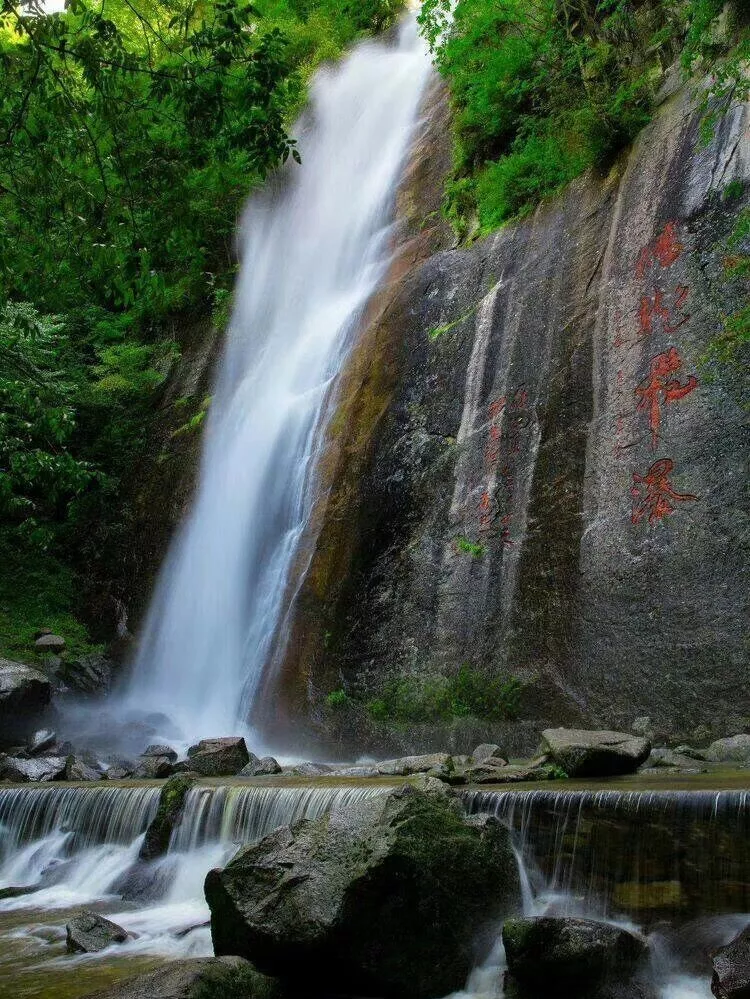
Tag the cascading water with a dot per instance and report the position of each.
(314, 250)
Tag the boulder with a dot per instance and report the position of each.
(595, 754)
(731, 977)
(571, 952)
(219, 757)
(168, 815)
(499, 772)
(357, 771)
(394, 896)
(663, 757)
(440, 764)
(90, 932)
(735, 749)
(117, 772)
(78, 769)
(41, 741)
(17, 891)
(90, 674)
(43, 768)
(266, 766)
(24, 694)
(54, 644)
(166, 752)
(487, 750)
(197, 978)
(311, 770)
(153, 768)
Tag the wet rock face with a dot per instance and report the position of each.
(731, 976)
(24, 694)
(90, 932)
(573, 953)
(168, 815)
(549, 484)
(388, 898)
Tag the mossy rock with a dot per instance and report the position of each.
(168, 815)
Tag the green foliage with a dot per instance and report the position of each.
(470, 547)
(439, 698)
(130, 135)
(545, 89)
(337, 699)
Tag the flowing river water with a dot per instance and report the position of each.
(580, 852)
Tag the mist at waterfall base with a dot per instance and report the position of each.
(78, 846)
(314, 246)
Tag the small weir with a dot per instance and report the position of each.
(677, 858)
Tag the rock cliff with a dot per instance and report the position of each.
(536, 467)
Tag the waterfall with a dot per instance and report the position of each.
(314, 247)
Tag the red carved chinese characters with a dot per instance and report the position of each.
(664, 250)
(658, 389)
(653, 493)
(654, 308)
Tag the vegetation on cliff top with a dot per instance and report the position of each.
(544, 89)
(130, 134)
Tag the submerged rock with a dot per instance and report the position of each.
(90, 932)
(44, 768)
(219, 757)
(17, 891)
(24, 694)
(735, 749)
(393, 897)
(168, 815)
(571, 952)
(731, 977)
(266, 766)
(595, 753)
(197, 978)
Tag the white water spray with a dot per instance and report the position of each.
(313, 253)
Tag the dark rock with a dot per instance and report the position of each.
(595, 754)
(219, 757)
(394, 896)
(50, 643)
(168, 815)
(17, 892)
(42, 740)
(571, 952)
(731, 977)
(90, 674)
(435, 763)
(735, 749)
(145, 881)
(90, 932)
(24, 695)
(43, 768)
(164, 751)
(78, 770)
(265, 766)
(487, 750)
(153, 768)
(197, 978)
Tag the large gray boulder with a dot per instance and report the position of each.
(77, 769)
(24, 695)
(731, 977)
(583, 753)
(171, 806)
(735, 749)
(438, 763)
(90, 932)
(393, 897)
(153, 767)
(265, 766)
(218, 757)
(573, 953)
(43, 768)
(197, 978)
(486, 751)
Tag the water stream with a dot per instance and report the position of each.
(77, 846)
(314, 247)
